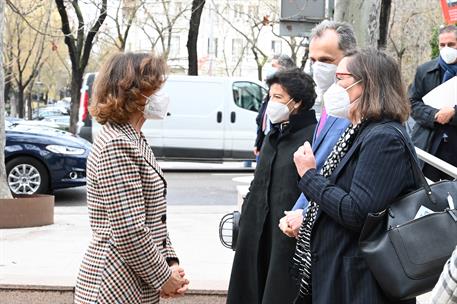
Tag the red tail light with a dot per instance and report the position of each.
(85, 102)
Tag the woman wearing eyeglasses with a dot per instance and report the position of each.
(368, 168)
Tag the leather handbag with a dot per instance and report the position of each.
(406, 255)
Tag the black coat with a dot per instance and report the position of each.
(376, 170)
(259, 121)
(260, 272)
(428, 76)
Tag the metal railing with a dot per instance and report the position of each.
(437, 163)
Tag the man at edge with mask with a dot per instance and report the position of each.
(329, 42)
(435, 130)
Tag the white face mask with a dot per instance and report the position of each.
(156, 106)
(278, 112)
(336, 100)
(448, 54)
(323, 75)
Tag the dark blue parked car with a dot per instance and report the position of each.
(40, 160)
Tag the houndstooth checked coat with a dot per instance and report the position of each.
(127, 259)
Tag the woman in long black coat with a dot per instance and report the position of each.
(260, 272)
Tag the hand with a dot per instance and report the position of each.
(304, 159)
(176, 285)
(256, 151)
(291, 222)
(294, 218)
(444, 115)
(285, 227)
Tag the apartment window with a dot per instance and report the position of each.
(175, 44)
(238, 49)
(253, 10)
(276, 47)
(212, 46)
(178, 8)
(238, 11)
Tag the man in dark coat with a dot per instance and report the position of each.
(260, 272)
(435, 130)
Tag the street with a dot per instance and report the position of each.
(184, 188)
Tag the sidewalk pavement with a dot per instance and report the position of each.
(50, 255)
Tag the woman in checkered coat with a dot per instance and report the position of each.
(130, 258)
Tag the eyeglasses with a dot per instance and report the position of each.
(338, 75)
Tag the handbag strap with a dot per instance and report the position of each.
(417, 172)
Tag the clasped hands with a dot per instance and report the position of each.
(304, 160)
(176, 285)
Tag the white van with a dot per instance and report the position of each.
(209, 118)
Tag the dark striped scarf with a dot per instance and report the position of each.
(302, 257)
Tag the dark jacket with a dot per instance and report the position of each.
(428, 76)
(260, 272)
(376, 170)
(259, 121)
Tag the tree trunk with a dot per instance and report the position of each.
(76, 83)
(20, 101)
(368, 17)
(4, 189)
(29, 103)
(197, 9)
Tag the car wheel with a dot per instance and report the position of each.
(26, 175)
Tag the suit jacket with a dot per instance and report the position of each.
(126, 261)
(322, 146)
(375, 171)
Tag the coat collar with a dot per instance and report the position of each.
(434, 65)
(139, 140)
(296, 122)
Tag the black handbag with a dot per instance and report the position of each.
(407, 255)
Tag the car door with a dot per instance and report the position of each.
(243, 107)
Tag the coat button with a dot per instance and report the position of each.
(164, 243)
(163, 218)
(315, 258)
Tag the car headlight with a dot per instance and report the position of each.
(65, 150)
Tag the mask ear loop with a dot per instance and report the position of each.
(357, 82)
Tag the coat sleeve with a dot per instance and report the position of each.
(170, 254)
(422, 113)
(120, 183)
(380, 175)
(453, 121)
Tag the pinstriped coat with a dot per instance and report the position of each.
(127, 259)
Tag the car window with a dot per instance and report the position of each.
(248, 95)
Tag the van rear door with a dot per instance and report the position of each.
(194, 128)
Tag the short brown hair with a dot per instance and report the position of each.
(384, 93)
(121, 81)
